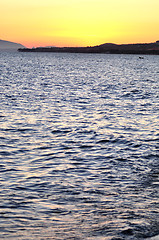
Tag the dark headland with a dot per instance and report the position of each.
(110, 48)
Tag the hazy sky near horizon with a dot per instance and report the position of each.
(78, 22)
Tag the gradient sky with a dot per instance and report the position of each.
(78, 22)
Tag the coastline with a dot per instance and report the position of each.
(107, 48)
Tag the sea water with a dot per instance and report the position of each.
(79, 137)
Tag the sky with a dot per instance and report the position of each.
(36, 23)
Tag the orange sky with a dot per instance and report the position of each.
(78, 22)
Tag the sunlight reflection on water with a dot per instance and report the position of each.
(79, 146)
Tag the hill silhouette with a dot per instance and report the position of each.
(137, 48)
(7, 45)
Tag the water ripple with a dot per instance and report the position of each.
(78, 146)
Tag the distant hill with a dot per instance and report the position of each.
(6, 45)
(136, 48)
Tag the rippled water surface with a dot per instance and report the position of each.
(79, 139)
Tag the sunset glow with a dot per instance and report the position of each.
(78, 22)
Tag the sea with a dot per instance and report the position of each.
(79, 146)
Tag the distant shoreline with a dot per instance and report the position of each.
(107, 48)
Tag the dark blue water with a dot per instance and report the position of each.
(79, 141)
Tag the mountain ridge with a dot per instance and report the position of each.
(136, 48)
(8, 45)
